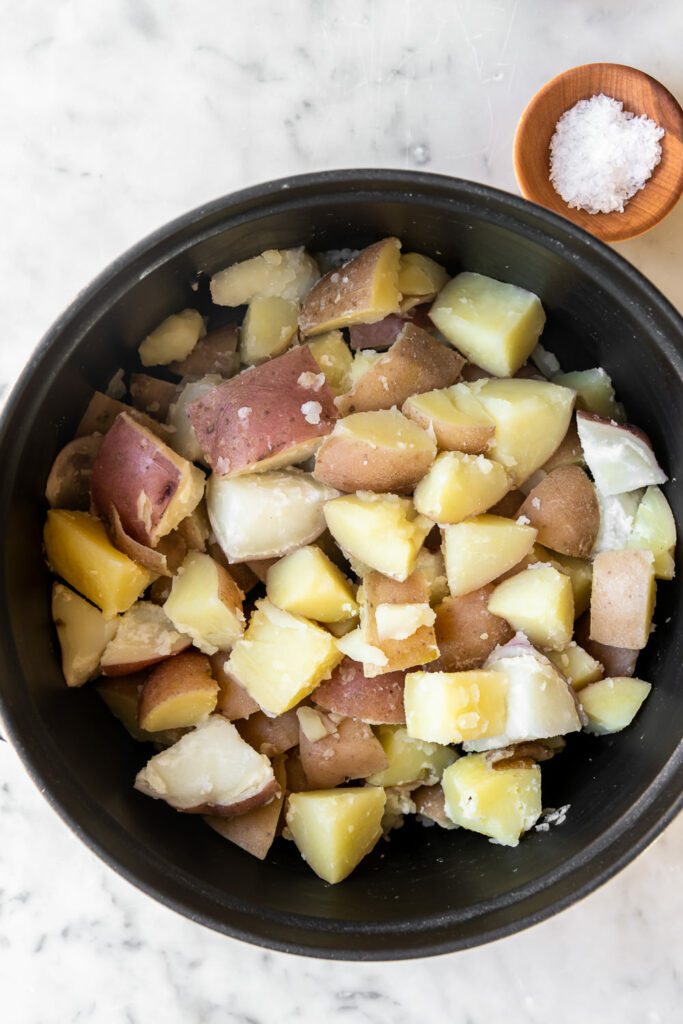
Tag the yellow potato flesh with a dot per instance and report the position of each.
(286, 273)
(654, 529)
(458, 420)
(496, 325)
(577, 665)
(335, 828)
(410, 759)
(458, 486)
(594, 392)
(480, 549)
(308, 583)
(538, 602)
(79, 550)
(419, 275)
(579, 570)
(500, 803)
(282, 658)
(612, 704)
(451, 707)
(334, 358)
(83, 633)
(268, 328)
(182, 709)
(380, 530)
(386, 428)
(195, 605)
(173, 339)
(361, 297)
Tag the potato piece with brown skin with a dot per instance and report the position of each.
(377, 701)
(233, 700)
(617, 661)
(384, 333)
(375, 451)
(416, 362)
(271, 416)
(216, 352)
(297, 782)
(150, 486)
(163, 560)
(270, 736)
(151, 395)
(195, 529)
(255, 830)
(364, 290)
(622, 598)
(352, 751)
(430, 803)
(177, 693)
(144, 637)
(509, 505)
(467, 632)
(564, 509)
(459, 422)
(384, 599)
(68, 483)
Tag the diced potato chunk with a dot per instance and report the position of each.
(268, 328)
(398, 620)
(480, 549)
(347, 750)
(334, 358)
(83, 633)
(419, 276)
(539, 602)
(564, 508)
(450, 707)
(577, 665)
(619, 456)
(654, 529)
(255, 830)
(579, 570)
(282, 658)
(410, 759)
(432, 564)
(612, 704)
(496, 325)
(381, 530)
(286, 273)
(335, 828)
(179, 692)
(458, 486)
(594, 392)
(145, 635)
(501, 803)
(459, 421)
(184, 440)
(307, 583)
(173, 339)
(79, 550)
(466, 631)
(361, 362)
(623, 598)
(206, 603)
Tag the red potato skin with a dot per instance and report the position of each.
(564, 509)
(102, 411)
(616, 661)
(353, 752)
(130, 462)
(151, 395)
(509, 505)
(270, 736)
(377, 701)
(254, 831)
(216, 352)
(276, 424)
(233, 700)
(430, 803)
(187, 671)
(384, 333)
(467, 632)
(128, 667)
(250, 803)
(164, 559)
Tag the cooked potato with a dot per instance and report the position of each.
(354, 645)
(480, 549)
(531, 418)
(564, 509)
(287, 273)
(410, 759)
(579, 570)
(379, 336)
(266, 515)
(78, 549)
(622, 598)
(271, 416)
(216, 352)
(83, 633)
(334, 829)
(255, 830)
(398, 620)
(459, 421)
(538, 602)
(612, 704)
(467, 632)
(145, 635)
(350, 751)
(307, 583)
(121, 695)
(594, 392)
(151, 395)
(496, 325)
(433, 567)
(179, 692)
(233, 700)
(348, 691)
(500, 803)
(577, 666)
(458, 486)
(569, 451)
(509, 505)
(450, 707)
(173, 339)
(206, 604)
(619, 456)
(282, 658)
(102, 410)
(334, 358)
(616, 661)
(270, 736)
(420, 277)
(68, 483)
(363, 290)
(375, 451)
(268, 328)
(360, 364)
(654, 529)
(151, 487)
(430, 803)
(381, 530)
(210, 770)
(416, 362)
(184, 439)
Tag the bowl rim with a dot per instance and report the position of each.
(583, 873)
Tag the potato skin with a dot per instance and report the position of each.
(151, 395)
(352, 752)
(416, 649)
(616, 661)
(622, 598)
(564, 509)
(186, 672)
(383, 334)
(255, 830)
(378, 701)
(466, 632)
(216, 352)
(68, 483)
(258, 414)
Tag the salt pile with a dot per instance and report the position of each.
(601, 155)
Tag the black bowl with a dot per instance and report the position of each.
(427, 891)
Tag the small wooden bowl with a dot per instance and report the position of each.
(639, 93)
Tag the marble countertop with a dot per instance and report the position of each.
(121, 114)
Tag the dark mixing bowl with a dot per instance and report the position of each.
(427, 891)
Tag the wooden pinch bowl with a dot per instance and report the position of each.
(639, 93)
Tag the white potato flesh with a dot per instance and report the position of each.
(501, 803)
(206, 603)
(612, 704)
(83, 633)
(286, 273)
(619, 459)
(577, 666)
(617, 516)
(210, 765)
(145, 634)
(183, 439)
(266, 515)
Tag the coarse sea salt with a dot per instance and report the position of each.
(601, 155)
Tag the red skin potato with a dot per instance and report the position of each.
(216, 352)
(581, 414)
(378, 701)
(233, 700)
(255, 830)
(467, 632)
(270, 736)
(616, 661)
(102, 411)
(352, 752)
(275, 425)
(384, 333)
(151, 395)
(144, 657)
(250, 803)
(430, 803)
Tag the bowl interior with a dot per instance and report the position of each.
(640, 94)
(426, 890)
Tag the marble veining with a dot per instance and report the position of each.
(119, 115)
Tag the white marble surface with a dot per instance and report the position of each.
(117, 115)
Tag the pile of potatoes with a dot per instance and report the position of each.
(353, 536)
